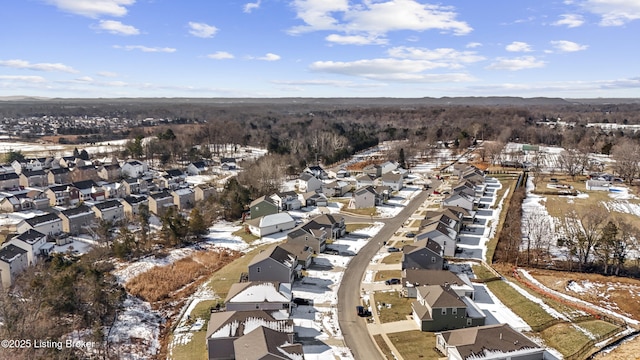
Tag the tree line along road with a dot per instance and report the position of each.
(353, 327)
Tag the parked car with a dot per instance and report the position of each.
(393, 249)
(301, 301)
(331, 251)
(410, 235)
(436, 192)
(362, 312)
(393, 281)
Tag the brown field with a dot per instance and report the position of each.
(616, 293)
(415, 345)
(161, 281)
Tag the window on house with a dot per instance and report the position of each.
(454, 311)
(433, 259)
(469, 322)
(258, 269)
(444, 311)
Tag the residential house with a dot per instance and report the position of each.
(263, 206)
(110, 210)
(273, 264)
(387, 167)
(84, 173)
(184, 198)
(31, 241)
(423, 254)
(159, 202)
(49, 224)
(364, 180)
(10, 203)
(314, 239)
(134, 168)
(463, 214)
(33, 178)
(342, 173)
(439, 308)
(75, 219)
(171, 179)
(197, 168)
(13, 260)
(412, 279)
(286, 200)
(203, 192)
(113, 190)
(465, 187)
(110, 172)
(336, 188)
(374, 170)
(461, 199)
(134, 186)
(259, 295)
(60, 175)
(37, 199)
(303, 252)
(68, 162)
(228, 163)
(598, 185)
(445, 217)
(442, 234)
(474, 175)
(499, 341)
(365, 197)
(9, 180)
(317, 171)
(313, 198)
(270, 224)
(393, 181)
(88, 190)
(18, 166)
(266, 343)
(334, 225)
(308, 182)
(131, 204)
(227, 326)
(59, 195)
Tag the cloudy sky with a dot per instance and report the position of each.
(320, 48)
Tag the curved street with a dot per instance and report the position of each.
(354, 328)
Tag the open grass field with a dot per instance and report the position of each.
(529, 311)
(415, 345)
(194, 348)
(400, 307)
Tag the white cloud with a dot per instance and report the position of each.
(404, 70)
(116, 27)
(249, 7)
(23, 64)
(270, 57)
(93, 8)
(23, 78)
(518, 46)
(220, 55)
(567, 46)
(145, 48)
(519, 63)
(448, 56)
(473, 45)
(202, 30)
(332, 83)
(570, 20)
(355, 40)
(109, 74)
(613, 12)
(375, 18)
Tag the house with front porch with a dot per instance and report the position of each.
(286, 200)
(423, 254)
(439, 308)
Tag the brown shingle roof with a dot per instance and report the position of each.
(476, 340)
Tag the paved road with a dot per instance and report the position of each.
(354, 328)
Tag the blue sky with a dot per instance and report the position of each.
(319, 48)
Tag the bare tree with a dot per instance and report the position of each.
(585, 230)
(627, 156)
(573, 162)
(537, 232)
